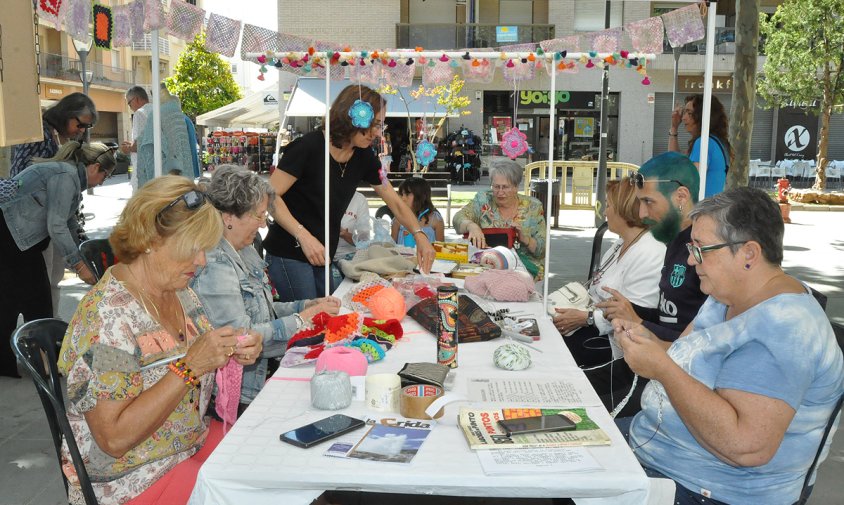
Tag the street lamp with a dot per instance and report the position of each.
(83, 47)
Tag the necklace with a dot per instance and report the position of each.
(144, 296)
(343, 168)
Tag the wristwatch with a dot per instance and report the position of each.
(672, 134)
(590, 318)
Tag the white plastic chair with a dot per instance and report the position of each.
(763, 175)
(833, 174)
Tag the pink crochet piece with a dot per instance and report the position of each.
(185, 20)
(222, 35)
(136, 19)
(257, 40)
(437, 74)
(570, 44)
(605, 41)
(480, 71)
(122, 33)
(646, 35)
(229, 379)
(77, 18)
(684, 25)
(502, 285)
(514, 143)
(401, 75)
(155, 18)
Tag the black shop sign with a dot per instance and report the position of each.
(797, 134)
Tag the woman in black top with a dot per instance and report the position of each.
(295, 243)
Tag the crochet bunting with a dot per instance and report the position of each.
(122, 31)
(50, 11)
(684, 25)
(646, 35)
(222, 35)
(154, 17)
(77, 18)
(136, 19)
(436, 73)
(605, 41)
(257, 40)
(185, 20)
(103, 26)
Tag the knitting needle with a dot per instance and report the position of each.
(522, 339)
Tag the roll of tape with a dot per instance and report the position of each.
(382, 392)
(416, 398)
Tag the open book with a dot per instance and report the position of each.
(483, 432)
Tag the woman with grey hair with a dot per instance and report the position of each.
(233, 286)
(736, 407)
(503, 207)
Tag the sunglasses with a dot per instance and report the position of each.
(193, 200)
(697, 250)
(637, 179)
(83, 126)
(98, 159)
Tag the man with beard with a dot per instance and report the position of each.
(667, 187)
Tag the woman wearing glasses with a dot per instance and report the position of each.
(140, 354)
(43, 212)
(719, 152)
(295, 243)
(504, 207)
(233, 287)
(738, 404)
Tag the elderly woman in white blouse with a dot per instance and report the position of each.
(632, 266)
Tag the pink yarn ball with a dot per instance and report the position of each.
(344, 359)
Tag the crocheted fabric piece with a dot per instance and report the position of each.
(502, 285)
(646, 35)
(369, 284)
(257, 40)
(49, 10)
(122, 32)
(136, 19)
(478, 70)
(229, 381)
(77, 18)
(383, 331)
(499, 258)
(342, 327)
(103, 26)
(155, 18)
(426, 153)
(684, 25)
(222, 34)
(570, 44)
(361, 114)
(185, 20)
(437, 74)
(399, 76)
(514, 143)
(369, 348)
(368, 75)
(605, 41)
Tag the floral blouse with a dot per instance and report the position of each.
(483, 211)
(110, 338)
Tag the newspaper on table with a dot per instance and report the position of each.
(536, 391)
(392, 440)
(480, 426)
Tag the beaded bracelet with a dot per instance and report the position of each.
(180, 368)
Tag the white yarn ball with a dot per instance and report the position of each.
(511, 357)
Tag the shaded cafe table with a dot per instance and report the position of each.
(251, 465)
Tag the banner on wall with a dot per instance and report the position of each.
(797, 134)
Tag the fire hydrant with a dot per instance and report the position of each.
(783, 187)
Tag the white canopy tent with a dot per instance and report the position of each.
(258, 109)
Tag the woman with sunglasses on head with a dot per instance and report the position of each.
(737, 406)
(503, 207)
(42, 212)
(719, 151)
(295, 243)
(140, 354)
(233, 286)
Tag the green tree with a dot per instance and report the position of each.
(805, 62)
(202, 80)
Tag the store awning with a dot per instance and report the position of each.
(256, 110)
(309, 95)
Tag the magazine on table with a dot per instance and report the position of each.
(393, 439)
(482, 431)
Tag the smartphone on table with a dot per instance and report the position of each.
(538, 424)
(312, 434)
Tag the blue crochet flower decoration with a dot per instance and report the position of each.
(425, 153)
(362, 114)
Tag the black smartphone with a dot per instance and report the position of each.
(322, 430)
(538, 424)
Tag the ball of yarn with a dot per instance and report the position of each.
(499, 258)
(331, 390)
(511, 357)
(344, 359)
(386, 303)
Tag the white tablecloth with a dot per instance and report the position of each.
(251, 465)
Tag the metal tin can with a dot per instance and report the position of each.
(448, 326)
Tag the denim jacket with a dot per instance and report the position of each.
(48, 197)
(234, 290)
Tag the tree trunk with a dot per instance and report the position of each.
(823, 141)
(744, 90)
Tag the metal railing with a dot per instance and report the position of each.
(584, 177)
(725, 43)
(60, 66)
(146, 45)
(468, 35)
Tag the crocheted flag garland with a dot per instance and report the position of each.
(154, 17)
(646, 35)
(50, 11)
(136, 18)
(103, 26)
(77, 18)
(121, 34)
(222, 35)
(185, 20)
(605, 41)
(684, 25)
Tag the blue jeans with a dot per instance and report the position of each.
(682, 496)
(297, 280)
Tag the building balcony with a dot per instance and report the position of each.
(468, 35)
(146, 45)
(694, 54)
(58, 66)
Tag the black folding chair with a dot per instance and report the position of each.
(597, 244)
(29, 342)
(97, 252)
(807, 483)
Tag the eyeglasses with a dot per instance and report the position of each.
(262, 217)
(500, 188)
(129, 101)
(688, 111)
(98, 159)
(638, 179)
(193, 200)
(697, 250)
(83, 126)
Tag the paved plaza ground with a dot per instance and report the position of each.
(29, 473)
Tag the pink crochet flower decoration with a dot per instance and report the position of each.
(514, 143)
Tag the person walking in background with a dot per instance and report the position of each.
(68, 119)
(719, 153)
(43, 212)
(138, 101)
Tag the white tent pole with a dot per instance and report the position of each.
(552, 99)
(156, 106)
(326, 238)
(707, 98)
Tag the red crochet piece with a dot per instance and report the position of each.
(341, 327)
